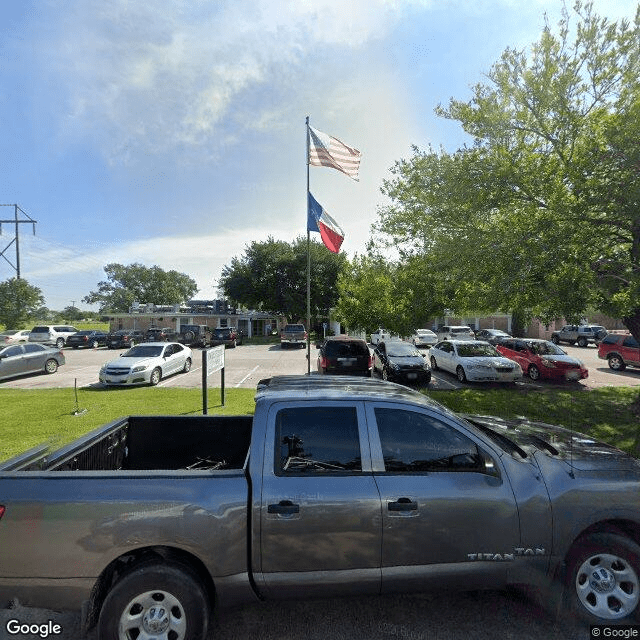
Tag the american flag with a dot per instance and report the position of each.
(327, 151)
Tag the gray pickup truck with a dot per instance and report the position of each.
(335, 486)
(294, 334)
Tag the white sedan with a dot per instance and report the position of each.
(473, 361)
(147, 363)
(423, 338)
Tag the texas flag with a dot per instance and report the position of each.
(319, 220)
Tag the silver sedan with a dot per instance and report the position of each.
(20, 359)
(146, 363)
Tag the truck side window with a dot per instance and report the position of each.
(414, 443)
(315, 440)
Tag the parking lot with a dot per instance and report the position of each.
(247, 364)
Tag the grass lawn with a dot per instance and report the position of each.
(30, 417)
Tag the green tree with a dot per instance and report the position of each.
(18, 302)
(540, 215)
(272, 276)
(399, 296)
(126, 284)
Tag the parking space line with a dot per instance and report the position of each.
(247, 376)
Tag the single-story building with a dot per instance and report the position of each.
(212, 313)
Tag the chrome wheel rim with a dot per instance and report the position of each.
(153, 615)
(607, 586)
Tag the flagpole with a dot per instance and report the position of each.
(308, 263)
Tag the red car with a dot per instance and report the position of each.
(542, 359)
(620, 350)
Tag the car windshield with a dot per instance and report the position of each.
(84, 332)
(221, 332)
(473, 350)
(401, 349)
(545, 349)
(143, 351)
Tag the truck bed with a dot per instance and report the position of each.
(149, 443)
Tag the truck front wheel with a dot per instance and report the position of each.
(603, 579)
(155, 600)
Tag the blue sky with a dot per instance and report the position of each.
(172, 132)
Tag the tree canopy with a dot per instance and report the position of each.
(126, 284)
(272, 276)
(540, 216)
(18, 302)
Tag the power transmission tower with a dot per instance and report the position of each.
(17, 222)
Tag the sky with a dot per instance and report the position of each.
(173, 132)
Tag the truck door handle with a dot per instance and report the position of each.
(403, 504)
(285, 507)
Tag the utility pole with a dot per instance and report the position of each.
(17, 222)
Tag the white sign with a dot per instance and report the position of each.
(215, 359)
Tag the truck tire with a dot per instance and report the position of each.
(582, 341)
(155, 600)
(189, 336)
(603, 579)
(555, 340)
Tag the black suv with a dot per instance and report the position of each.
(346, 355)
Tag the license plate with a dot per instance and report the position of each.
(573, 375)
(412, 376)
(347, 361)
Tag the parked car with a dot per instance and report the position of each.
(20, 359)
(460, 332)
(345, 355)
(160, 334)
(581, 334)
(87, 338)
(543, 359)
(620, 350)
(401, 362)
(14, 336)
(424, 338)
(124, 338)
(378, 335)
(492, 336)
(52, 334)
(228, 336)
(473, 361)
(293, 334)
(146, 363)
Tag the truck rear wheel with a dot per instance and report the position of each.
(155, 600)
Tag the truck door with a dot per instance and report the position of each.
(449, 518)
(320, 512)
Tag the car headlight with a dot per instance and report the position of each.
(394, 366)
(141, 367)
(478, 366)
(548, 363)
